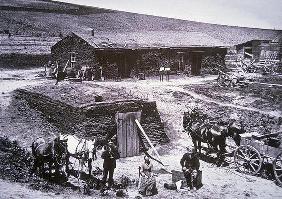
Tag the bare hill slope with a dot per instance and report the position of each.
(49, 18)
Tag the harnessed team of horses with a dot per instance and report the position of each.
(53, 158)
(201, 130)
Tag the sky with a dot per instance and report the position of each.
(247, 13)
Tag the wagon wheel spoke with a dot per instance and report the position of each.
(244, 154)
(253, 155)
(256, 164)
(252, 167)
(255, 159)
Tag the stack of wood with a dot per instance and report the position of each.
(269, 65)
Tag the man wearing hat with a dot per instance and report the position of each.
(190, 166)
(109, 155)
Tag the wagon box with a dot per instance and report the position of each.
(260, 145)
(254, 150)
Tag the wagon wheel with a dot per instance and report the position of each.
(277, 168)
(247, 159)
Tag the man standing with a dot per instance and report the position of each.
(190, 166)
(109, 155)
(61, 75)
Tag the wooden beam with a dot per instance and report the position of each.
(147, 138)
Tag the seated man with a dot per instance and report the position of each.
(190, 166)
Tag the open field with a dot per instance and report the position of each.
(19, 122)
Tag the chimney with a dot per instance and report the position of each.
(92, 32)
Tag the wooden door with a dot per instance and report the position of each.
(196, 63)
(127, 137)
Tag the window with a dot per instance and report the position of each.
(73, 57)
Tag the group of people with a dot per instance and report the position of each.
(147, 182)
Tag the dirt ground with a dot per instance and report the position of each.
(255, 109)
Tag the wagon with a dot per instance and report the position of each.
(255, 150)
(232, 80)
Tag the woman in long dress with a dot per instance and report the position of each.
(147, 183)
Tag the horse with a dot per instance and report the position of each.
(201, 131)
(83, 151)
(53, 153)
(214, 136)
(198, 128)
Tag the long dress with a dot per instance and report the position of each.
(147, 182)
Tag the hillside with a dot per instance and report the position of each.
(37, 17)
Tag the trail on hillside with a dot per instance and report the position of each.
(207, 99)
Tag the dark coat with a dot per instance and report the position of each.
(190, 162)
(110, 157)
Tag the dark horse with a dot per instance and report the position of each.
(201, 131)
(54, 154)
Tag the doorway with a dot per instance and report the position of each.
(127, 137)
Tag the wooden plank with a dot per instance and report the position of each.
(128, 136)
(124, 137)
(135, 138)
(138, 117)
(133, 134)
(120, 134)
(133, 146)
(132, 141)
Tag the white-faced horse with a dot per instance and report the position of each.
(82, 151)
